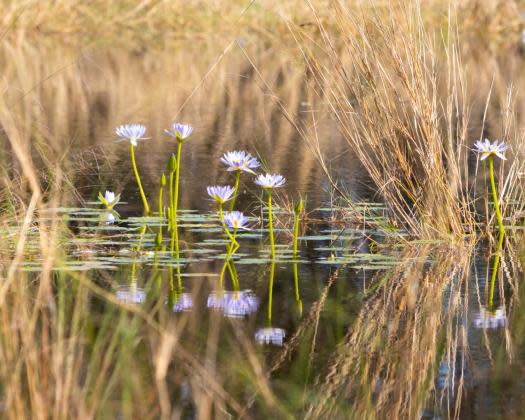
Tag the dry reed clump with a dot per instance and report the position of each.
(397, 89)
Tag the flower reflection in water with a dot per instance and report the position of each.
(183, 302)
(270, 335)
(109, 217)
(131, 294)
(490, 319)
(234, 304)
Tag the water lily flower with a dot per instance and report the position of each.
(131, 132)
(236, 304)
(269, 181)
(236, 220)
(109, 199)
(183, 303)
(240, 160)
(134, 133)
(131, 294)
(180, 131)
(221, 194)
(270, 335)
(485, 148)
(490, 319)
(109, 218)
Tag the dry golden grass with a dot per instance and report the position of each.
(408, 100)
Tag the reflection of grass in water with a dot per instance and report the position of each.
(389, 354)
(386, 362)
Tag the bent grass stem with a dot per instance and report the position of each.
(137, 177)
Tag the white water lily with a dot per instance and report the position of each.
(131, 132)
(485, 148)
(269, 181)
(109, 199)
(180, 131)
(220, 194)
(131, 294)
(183, 303)
(235, 304)
(490, 319)
(236, 220)
(270, 335)
(240, 160)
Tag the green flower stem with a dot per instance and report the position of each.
(495, 269)
(270, 221)
(270, 292)
(495, 196)
(223, 269)
(296, 235)
(175, 247)
(298, 211)
(137, 249)
(170, 226)
(174, 222)
(236, 189)
(234, 243)
(235, 278)
(501, 232)
(135, 170)
(232, 247)
(177, 178)
(296, 281)
(161, 210)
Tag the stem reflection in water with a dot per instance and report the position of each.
(495, 269)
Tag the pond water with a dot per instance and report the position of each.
(360, 325)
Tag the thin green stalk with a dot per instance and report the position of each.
(495, 269)
(235, 278)
(297, 295)
(175, 247)
(137, 250)
(296, 235)
(495, 195)
(171, 200)
(270, 221)
(135, 170)
(161, 189)
(236, 189)
(174, 221)
(161, 208)
(297, 212)
(234, 242)
(177, 178)
(270, 292)
(231, 248)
